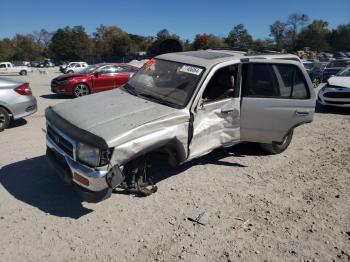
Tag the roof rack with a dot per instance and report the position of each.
(253, 51)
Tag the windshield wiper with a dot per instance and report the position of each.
(159, 100)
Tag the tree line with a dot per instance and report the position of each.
(110, 43)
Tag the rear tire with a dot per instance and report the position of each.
(277, 148)
(23, 73)
(4, 119)
(70, 72)
(81, 90)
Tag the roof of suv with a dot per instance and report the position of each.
(209, 58)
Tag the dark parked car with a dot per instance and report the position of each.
(315, 70)
(333, 67)
(92, 79)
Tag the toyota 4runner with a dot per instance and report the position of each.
(181, 105)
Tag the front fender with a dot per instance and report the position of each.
(175, 137)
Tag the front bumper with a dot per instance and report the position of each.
(97, 188)
(329, 97)
(60, 89)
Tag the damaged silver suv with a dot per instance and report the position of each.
(181, 106)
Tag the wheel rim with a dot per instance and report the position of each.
(2, 119)
(81, 90)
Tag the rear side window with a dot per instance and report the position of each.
(274, 81)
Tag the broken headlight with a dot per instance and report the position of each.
(88, 154)
(93, 156)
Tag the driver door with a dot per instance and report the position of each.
(104, 79)
(217, 117)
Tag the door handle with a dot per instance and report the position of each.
(302, 113)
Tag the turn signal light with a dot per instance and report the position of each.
(81, 179)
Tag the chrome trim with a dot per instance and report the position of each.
(97, 181)
(73, 142)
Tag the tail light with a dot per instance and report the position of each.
(24, 90)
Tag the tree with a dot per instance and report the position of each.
(71, 43)
(205, 41)
(6, 49)
(162, 45)
(294, 21)
(339, 39)
(25, 48)
(315, 36)
(239, 37)
(43, 39)
(278, 30)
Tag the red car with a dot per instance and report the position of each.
(92, 79)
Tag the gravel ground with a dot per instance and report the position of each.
(288, 207)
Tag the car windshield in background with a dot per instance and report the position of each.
(308, 65)
(338, 63)
(165, 82)
(88, 69)
(345, 72)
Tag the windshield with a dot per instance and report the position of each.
(88, 69)
(165, 82)
(345, 72)
(308, 65)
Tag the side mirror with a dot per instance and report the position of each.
(96, 74)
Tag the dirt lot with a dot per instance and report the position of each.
(289, 207)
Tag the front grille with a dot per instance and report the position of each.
(60, 141)
(337, 94)
(337, 103)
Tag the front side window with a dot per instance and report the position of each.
(165, 82)
(3, 66)
(274, 81)
(221, 85)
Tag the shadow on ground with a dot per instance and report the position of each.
(54, 96)
(17, 123)
(332, 110)
(222, 157)
(35, 183)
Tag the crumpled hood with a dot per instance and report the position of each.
(113, 113)
(339, 81)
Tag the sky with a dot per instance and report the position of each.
(184, 18)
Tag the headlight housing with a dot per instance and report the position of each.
(65, 82)
(88, 154)
(93, 156)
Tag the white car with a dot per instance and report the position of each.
(9, 68)
(75, 67)
(337, 90)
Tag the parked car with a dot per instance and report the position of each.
(333, 67)
(9, 68)
(63, 66)
(180, 106)
(92, 79)
(337, 90)
(340, 55)
(46, 63)
(315, 71)
(34, 63)
(75, 67)
(16, 101)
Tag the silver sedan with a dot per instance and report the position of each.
(16, 101)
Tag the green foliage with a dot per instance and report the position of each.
(110, 43)
(239, 37)
(205, 41)
(71, 43)
(315, 36)
(165, 42)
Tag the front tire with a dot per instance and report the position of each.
(23, 73)
(4, 119)
(277, 148)
(81, 90)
